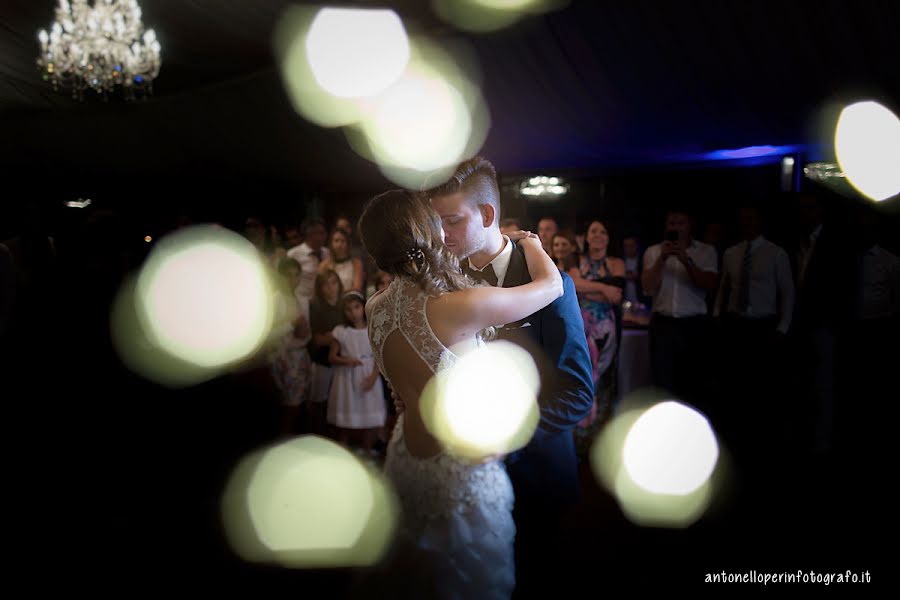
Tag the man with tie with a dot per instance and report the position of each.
(544, 473)
(755, 303)
(756, 287)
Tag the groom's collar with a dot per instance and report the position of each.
(499, 262)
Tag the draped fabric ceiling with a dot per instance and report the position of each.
(593, 85)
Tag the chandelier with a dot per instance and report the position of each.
(101, 48)
(548, 187)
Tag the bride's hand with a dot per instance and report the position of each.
(532, 239)
(520, 235)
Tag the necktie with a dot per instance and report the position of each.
(746, 275)
(486, 275)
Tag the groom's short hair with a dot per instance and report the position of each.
(477, 179)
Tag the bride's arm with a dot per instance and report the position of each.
(474, 309)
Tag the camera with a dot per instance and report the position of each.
(671, 235)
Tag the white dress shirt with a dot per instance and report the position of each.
(677, 295)
(771, 286)
(499, 262)
(309, 263)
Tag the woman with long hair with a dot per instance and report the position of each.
(342, 262)
(599, 280)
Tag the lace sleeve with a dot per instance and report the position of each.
(381, 323)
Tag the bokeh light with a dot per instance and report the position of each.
(659, 459)
(867, 147)
(205, 296)
(671, 449)
(506, 4)
(428, 121)
(308, 503)
(485, 404)
(409, 105)
(422, 122)
(139, 352)
(202, 302)
(674, 511)
(482, 16)
(354, 53)
(308, 97)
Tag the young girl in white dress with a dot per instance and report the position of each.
(356, 404)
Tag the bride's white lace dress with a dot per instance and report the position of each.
(456, 515)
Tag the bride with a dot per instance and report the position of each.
(457, 516)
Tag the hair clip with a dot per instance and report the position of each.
(415, 254)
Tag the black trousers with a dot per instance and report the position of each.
(680, 357)
(750, 408)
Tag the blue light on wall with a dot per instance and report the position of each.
(751, 152)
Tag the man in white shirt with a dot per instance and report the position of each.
(310, 254)
(756, 285)
(678, 273)
(754, 304)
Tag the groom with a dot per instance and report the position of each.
(544, 473)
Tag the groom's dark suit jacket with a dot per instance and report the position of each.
(545, 472)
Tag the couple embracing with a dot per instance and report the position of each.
(474, 530)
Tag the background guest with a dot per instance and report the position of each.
(348, 268)
(679, 273)
(563, 251)
(599, 279)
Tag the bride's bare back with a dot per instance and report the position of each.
(409, 354)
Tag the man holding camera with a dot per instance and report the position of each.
(678, 273)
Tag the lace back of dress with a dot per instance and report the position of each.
(402, 307)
